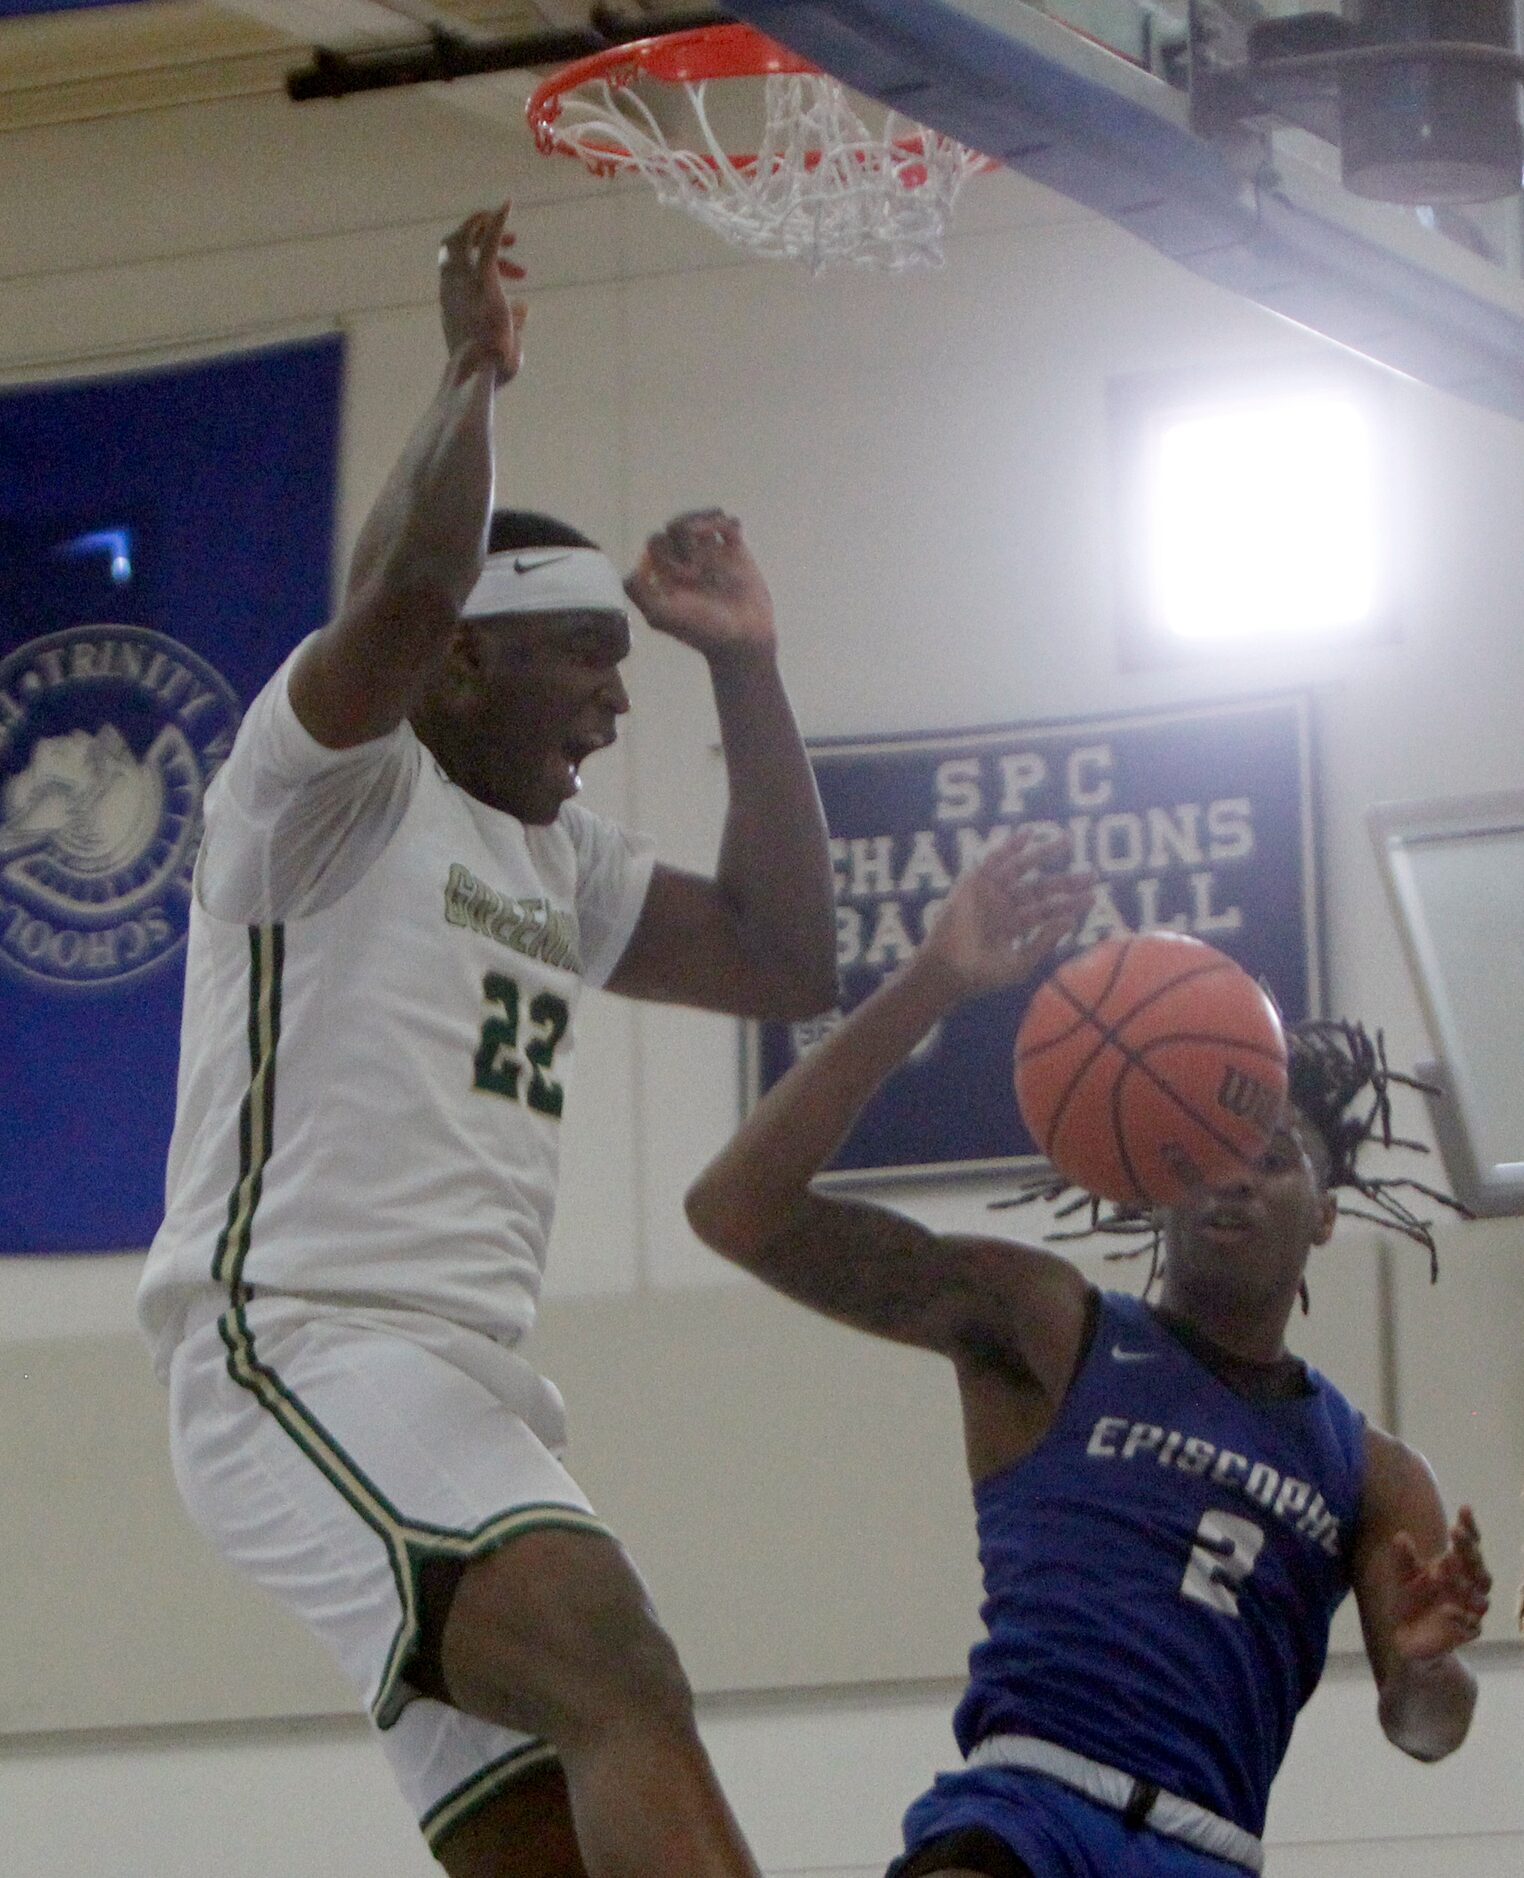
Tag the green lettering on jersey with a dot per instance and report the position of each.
(530, 926)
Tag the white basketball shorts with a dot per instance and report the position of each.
(328, 1453)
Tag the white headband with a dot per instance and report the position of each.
(546, 580)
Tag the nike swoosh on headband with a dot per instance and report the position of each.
(561, 580)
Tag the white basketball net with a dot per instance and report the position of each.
(822, 188)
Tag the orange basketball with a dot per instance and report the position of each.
(1147, 1065)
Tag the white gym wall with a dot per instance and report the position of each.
(921, 466)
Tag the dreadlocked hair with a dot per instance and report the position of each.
(1339, 1079)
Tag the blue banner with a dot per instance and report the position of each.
(1201, 820)
(20, 9)
(165, 539)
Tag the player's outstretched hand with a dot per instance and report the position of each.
(697, 581)
(474, 269)
(1442, 1600)
(1003, 920)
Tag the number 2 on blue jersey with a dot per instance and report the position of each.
(1221, 1560)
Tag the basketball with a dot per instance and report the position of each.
(1148, 1065)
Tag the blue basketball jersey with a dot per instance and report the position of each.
(1161, 1572)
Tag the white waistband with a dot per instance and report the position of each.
(1162, 1812)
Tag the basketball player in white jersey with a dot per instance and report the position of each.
(398, 900)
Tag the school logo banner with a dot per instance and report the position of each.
(165, 538)
(1202, 820)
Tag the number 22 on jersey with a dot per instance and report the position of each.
(499, 1062)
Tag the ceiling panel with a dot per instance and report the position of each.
(70, 61)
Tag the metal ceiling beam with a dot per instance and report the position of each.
(449, 55)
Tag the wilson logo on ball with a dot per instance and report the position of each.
(1249, 1097)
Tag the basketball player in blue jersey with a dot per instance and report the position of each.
(1169, 1505)
(397, 903)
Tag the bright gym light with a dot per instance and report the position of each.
(1261, 521)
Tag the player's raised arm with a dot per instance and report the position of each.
(422, 546)
(759, 939)
(1422, 1593)
(863, 1264)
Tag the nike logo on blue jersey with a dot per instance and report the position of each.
(1133, 1356)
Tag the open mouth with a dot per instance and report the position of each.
(1225, 1226)
(575, 752)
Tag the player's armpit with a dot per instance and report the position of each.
(883, 1273)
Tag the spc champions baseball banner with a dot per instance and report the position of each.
(165, 538)
(1201, 820)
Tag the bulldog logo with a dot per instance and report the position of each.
(109, 736)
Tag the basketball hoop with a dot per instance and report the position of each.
(819, 185)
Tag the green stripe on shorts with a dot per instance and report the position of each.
(455, 1808)
(409, 1543)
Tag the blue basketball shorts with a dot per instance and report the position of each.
(1057, 1832)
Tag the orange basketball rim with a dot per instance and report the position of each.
(819, 182)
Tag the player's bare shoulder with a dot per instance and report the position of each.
(1030, 1312)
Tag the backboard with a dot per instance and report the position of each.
(1092, 98)
(1454, 873)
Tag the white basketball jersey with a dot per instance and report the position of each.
(370, 1096)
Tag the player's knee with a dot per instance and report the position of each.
(626, 1666)
(603, 1661)
(555, 1634)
